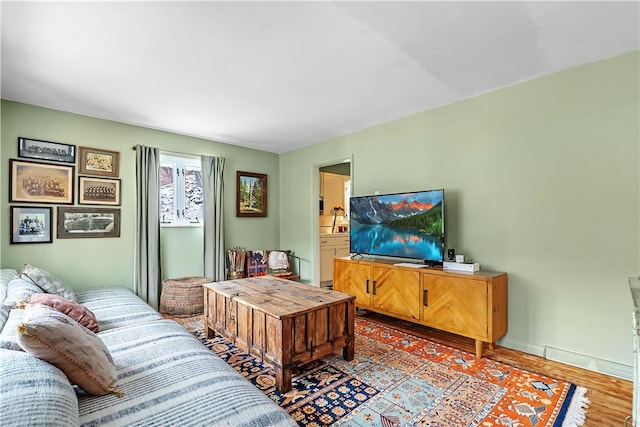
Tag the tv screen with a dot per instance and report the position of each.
(404, 225)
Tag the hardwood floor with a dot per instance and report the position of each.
(610, 397)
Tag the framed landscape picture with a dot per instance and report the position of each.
(35, 182)
(94, 161)
(46, 150)
(251, 194)
(76, 223)
(98, 191)
(30, 224)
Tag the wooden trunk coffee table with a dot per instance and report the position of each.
(284, 323)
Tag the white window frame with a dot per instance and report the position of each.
(179, 163)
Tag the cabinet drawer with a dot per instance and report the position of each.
(334, 240)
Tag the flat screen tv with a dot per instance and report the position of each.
(402, 225)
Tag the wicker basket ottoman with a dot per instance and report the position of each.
(183, 297)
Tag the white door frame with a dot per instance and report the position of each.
(315, 210)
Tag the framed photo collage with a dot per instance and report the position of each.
(45, 174)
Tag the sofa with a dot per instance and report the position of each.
(164, 376)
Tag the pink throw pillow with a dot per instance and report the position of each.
(77, 312)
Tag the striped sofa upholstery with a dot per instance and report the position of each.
(168, 378)
(6, 274)
(34, 393)
(190, 386)
(115, 307)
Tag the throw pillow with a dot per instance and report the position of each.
(79, 353)
(256, 263)
(47, 282)
(19, 289)
(278, 263)
(77, 312)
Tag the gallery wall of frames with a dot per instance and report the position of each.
(46, 193)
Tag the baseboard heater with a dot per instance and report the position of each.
(589, 362)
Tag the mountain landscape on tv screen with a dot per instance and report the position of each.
(403, 213)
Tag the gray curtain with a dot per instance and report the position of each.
(147, 262)
(213, 186)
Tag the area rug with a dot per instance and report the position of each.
(398, 379)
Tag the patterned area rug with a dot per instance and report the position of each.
(398, 379)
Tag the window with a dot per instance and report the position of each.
(181, 196)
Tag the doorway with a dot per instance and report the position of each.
(333, 209)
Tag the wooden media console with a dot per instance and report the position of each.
(473, 305)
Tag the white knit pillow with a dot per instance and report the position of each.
(20, 289)
(48, 282)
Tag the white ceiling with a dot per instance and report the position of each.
(276, 76)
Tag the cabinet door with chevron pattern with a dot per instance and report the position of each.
(456, 305)
(353, 279)
(397, 291)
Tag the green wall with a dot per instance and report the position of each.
(541, 181)
(87, 263)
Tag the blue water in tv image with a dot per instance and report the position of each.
(406, 225)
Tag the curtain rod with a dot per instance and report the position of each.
(133, 147)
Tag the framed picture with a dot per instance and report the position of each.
(94, 161)
(74, 223)
(98, 191)
(251, 194)
(30, 225)
(34, 182)
(46, 150)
